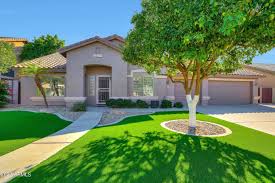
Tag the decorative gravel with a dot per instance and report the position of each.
(202, 129)
(72, 116)
(112, 116)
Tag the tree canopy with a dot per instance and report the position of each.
(41, 46)
(7, 57)
(200, 37)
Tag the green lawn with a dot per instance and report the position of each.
(21, 128)
(139, 150)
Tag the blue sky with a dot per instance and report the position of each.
(73, 20)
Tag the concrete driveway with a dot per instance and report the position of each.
(259, 117)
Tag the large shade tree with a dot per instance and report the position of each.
(199, 38)
(41, 46)
(7, 57)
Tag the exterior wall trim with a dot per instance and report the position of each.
(229, 79)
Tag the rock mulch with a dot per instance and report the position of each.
(112, 116)
(72, 116)
(202, 129)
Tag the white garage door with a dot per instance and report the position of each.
(229, 92)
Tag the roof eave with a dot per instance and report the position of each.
(260, 69)
(66, 49)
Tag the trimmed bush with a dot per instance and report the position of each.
(166, 104)
(178, 105)
(141, 104)
(120, 103)
(79, 107)
(4, 93)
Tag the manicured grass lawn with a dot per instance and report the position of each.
(18, 129)
(139, 150)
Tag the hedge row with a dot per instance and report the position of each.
(127, 103)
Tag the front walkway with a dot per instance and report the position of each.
(30, 155)
(259, 117)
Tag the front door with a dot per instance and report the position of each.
(267, 95)
(103, 89)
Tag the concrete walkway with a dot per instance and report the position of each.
(258, 117)
(24, 158)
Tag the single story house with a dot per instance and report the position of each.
(93, 71)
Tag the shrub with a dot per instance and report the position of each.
(110, 102)
(141, 104)
(166, 104)
(178, 105)
(120, 103)
(4, 93)
(79, 107)
(129, 103)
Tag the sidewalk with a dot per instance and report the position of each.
(32, 154)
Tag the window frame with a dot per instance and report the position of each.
(38, 94)
(143, 77)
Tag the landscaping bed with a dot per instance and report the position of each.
(202, 128)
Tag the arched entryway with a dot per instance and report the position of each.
(98, 84)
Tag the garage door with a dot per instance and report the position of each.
(229, 92)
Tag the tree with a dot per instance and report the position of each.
(7, 57)
(199, 38)
(41, 46)
(36, 72)
(4, 93)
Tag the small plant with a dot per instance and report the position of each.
(4, 93)
(141, 104)
(166, 104)
(79, 107)
(178, 105)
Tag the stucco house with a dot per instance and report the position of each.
(93, 71)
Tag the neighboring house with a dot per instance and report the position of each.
(93, 71)
(18, 43)
(266, 84)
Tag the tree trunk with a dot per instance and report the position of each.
(41, 89)
(192, 106)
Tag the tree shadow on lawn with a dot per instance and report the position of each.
(155, 157)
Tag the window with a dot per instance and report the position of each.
(98, 53)
(53, 86)
(142, 85)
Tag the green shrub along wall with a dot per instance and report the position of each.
(126, 103)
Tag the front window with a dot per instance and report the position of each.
(53, 86)
(142, 85)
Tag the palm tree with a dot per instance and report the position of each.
(36, 72)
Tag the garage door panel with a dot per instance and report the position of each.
(229, 92)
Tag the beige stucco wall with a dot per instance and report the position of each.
(79, 58)
(28, 90)
(266, 82)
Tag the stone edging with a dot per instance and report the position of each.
(227, 130)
